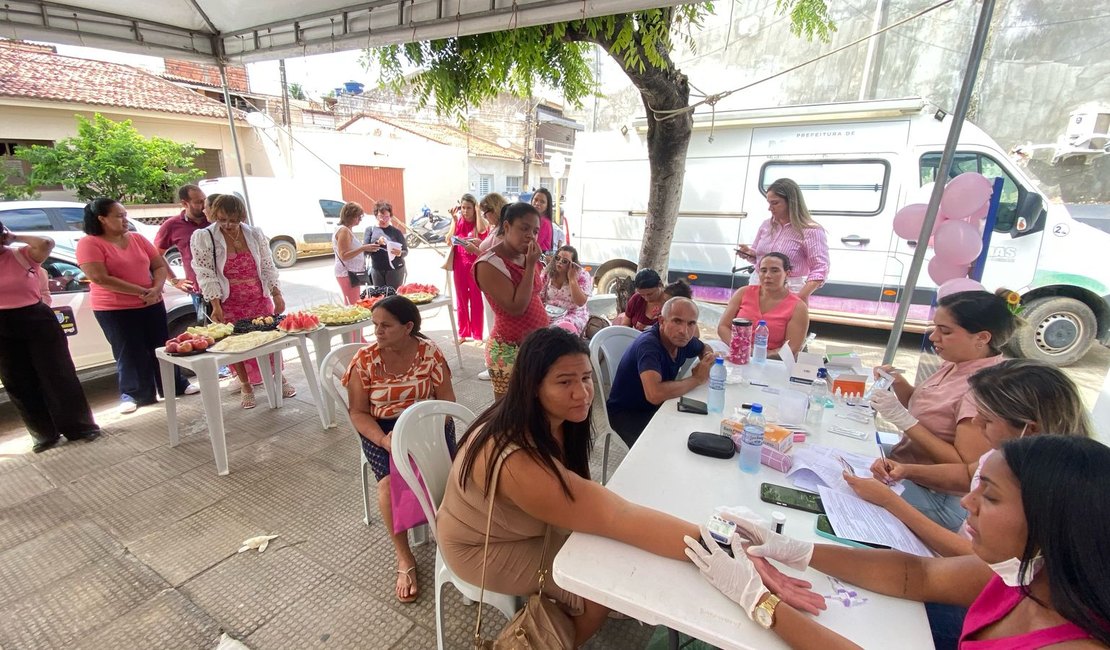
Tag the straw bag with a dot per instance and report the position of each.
(541, 623)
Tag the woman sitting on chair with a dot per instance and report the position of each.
(566, 286)
(786, 314)
(399, 368)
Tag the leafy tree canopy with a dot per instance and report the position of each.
(113, 159)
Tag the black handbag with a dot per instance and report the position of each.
(358, 278)
(711, 444)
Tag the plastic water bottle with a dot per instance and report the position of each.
(818, 398)
(751, 446)
(762, 334)
(717, 375)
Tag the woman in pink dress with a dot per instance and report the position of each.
(541, 200)
(236, 274)
(468, 230)
(566, 286)
(786, 314)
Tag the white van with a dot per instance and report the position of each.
(857, 164)
(291, 216)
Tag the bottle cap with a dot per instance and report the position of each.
(778, 517)
(719, 362)
(757, 408)
(822, 373)
(741, 322)
(761, 322)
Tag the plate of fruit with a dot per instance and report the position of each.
(340, 314)
(214, 330)
(186, 345)
(300, 321)
(419, 293)
(259, 324)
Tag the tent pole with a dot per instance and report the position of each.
(235, 139)
(970, 74)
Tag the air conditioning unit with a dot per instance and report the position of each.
(1088, 128)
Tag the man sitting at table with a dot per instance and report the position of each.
(646, 375)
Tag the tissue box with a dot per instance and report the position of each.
(775, 459)
(778, 438)
(732, 427)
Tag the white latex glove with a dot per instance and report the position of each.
(734, 577)
(886, 404)
(768, 544)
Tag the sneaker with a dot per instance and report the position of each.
(192, 389)
(484, 375)
(126, 407)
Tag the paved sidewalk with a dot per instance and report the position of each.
(127, 543)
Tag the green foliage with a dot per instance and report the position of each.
(296, 91)
(113, 159)
(808, 17)
(13, 192)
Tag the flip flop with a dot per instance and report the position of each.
(287, 390)
(247, 401)
(414, 591)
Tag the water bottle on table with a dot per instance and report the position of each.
(751, 445)
(762, 335)
(717, 375)
(818, 398)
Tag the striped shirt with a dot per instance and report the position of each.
(808, 250)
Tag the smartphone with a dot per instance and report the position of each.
(458, 241)
(687, 405)
(825, 529)
(791, 498)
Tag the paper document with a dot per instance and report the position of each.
(394, 250)
(817, 465)
(853, 518)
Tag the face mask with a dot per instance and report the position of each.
(1010, 571)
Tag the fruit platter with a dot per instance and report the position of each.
(215, 331)
(243, 342)
(340, 314)
(419, 293)
(368, 302)
(300, 321)
(259, 324)
(186, 345)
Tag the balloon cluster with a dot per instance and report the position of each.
(955, 238)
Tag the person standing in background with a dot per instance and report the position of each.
(176, 232)
(793, 232)
(383, 270)
(35, 365)
(541, 200)
(465, 234)
(350, 260)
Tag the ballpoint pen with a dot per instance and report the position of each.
(882, 454)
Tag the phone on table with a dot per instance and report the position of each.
(791, 498)
(687, 405)
(825, 529)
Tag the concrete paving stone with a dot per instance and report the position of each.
(308, 438)
(418, 636)
(101, 488)
(376, 571)
(29, 518)
(352, 618)
(52, 555)
(143, 437)
(277, 497)
(62, 613)
(85, 458)
(342, 456)
(331, 531)
(194, 544)
(184, 457)
(621, 635)
(152, 509)
(169, 621)
(22, 484)
(248, 589)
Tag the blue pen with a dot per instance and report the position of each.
(882, 454)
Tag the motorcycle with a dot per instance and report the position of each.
(429, 227)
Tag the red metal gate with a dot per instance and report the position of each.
(366, 185)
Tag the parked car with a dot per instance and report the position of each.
(61, 221)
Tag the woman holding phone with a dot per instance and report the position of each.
(465, 234)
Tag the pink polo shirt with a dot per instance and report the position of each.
(20, 285)
(940, 402)
(131, 264)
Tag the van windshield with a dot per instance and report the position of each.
(987, 166)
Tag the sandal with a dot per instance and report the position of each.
(247, 400)
(287, 390)
(409, 578)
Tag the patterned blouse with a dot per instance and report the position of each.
(391, 394)
(808, 251)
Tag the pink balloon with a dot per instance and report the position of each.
(942, 272)
(908, 220)
(981, 213)
(965, 195)
(958, 242)
(958, 285)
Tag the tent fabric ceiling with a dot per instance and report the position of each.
(251, 30)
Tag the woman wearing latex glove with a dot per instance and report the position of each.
(1015, 584)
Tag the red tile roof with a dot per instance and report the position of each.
(51, 77)
(447, 135)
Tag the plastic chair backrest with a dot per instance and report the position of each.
(418, 435)
(606, 349)
(331, 373)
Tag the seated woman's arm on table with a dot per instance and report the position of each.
(935, 536)
(797, 327)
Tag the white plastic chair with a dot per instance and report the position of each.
(330, 376)
(606, 349)
(418, 436)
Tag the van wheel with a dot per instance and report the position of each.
(607, 283)
(285, 254)
(1060, 331)
(412, 241)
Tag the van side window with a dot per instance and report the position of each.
(987, 166)
(843, 187)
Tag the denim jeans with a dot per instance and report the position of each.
(945, 509)
(134, 335)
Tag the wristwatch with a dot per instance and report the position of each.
(764, 613)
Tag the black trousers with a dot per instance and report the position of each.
(134, 335)
(630, 424)
(38, 374)
(391, 277)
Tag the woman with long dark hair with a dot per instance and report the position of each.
(1038, 576)
(468, 230)
(541, 201)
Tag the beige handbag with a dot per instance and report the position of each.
(541, 623)
(449, 262)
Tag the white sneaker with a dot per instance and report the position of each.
(484, 375)
(192, 389)
(127, 407)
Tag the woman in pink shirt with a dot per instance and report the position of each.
(35, 365)
(786, 315)
(470, 230)
(791, 231)
(127, 276)
(1037, 579)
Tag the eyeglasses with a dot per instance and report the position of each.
(561, 260)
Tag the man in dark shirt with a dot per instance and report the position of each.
(382, 270)
(176, 232)
(646, 375)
